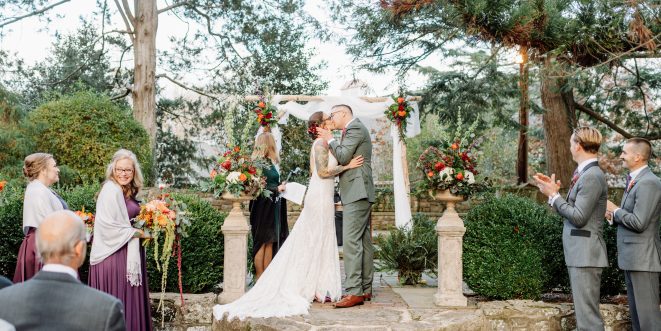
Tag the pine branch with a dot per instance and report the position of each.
(34, 13)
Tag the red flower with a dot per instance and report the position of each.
(460, 176)
(227, 165)
(252, 170)
(401, 107)
(439, 166)
(269, 115)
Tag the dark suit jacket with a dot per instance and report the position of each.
(56, 301)
(4, 282)
(638, 243)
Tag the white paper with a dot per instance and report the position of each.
(294, 192)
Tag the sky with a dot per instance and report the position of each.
(30, 41)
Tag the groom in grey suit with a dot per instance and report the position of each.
(54, 299)
(638, 243)
(583, 212)
(357, 195)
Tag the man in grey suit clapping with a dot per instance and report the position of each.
(54, 299)
(638, 243)
(583, 212)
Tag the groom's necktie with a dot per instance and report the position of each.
(344, 133)
(574, 179)
(629, 183)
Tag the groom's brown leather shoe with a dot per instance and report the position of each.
(367, 296)
(350, 301)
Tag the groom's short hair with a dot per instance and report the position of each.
(344, 106)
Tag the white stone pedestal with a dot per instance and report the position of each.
(450, 229)
(235, 230)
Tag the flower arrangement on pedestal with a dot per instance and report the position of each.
(237, 174)
(398, 113)
(452, 166)
(164, 219)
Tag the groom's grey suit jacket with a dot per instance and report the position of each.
(57, 301)
(355, 184)
(584, 211)
(638, 243)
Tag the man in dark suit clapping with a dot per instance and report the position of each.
(638, 243)
(54, 299)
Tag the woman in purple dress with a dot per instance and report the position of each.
(118, 264)
(41, 171)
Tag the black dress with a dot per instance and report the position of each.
(268, 216)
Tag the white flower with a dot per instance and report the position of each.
(233, 177)
(470, 177)
(447, 172)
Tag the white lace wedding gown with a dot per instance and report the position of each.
(306, 267)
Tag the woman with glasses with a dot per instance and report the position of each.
(41, 171)
(117, 259)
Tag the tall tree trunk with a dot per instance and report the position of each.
(559, 121)
(144, 89)
(522, 155)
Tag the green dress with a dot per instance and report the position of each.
(268, 216)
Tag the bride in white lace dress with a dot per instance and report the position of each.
(307, 266)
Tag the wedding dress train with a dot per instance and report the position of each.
(307, 265)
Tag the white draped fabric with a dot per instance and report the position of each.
(368, 113)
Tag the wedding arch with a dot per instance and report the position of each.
(368, 110)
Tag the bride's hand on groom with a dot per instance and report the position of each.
(324, 134)
(356, 162)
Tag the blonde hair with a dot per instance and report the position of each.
(131, 189)
(35, 164)
(265, 148)
(588, 138)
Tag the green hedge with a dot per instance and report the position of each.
(11, 220)
(202, 251)
(513, 249)
(83, 131)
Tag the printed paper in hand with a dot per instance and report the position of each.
(294, 192)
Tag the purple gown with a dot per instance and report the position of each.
(110, 276)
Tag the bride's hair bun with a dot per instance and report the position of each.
(313, 123)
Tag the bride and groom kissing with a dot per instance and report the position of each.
(307, 266)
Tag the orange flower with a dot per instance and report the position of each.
(400, 100)
(213, 174)
(162, 220)
(237, 149)
(243, 177)
(401, 113)
(2, 185)
(430, 174)
(455, 146)
(261, 104)
(460, 176)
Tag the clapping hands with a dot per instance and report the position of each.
(549, 186)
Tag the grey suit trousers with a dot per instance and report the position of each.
(585, 285)
(357, 248)
(643, 295)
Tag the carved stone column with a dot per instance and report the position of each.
(450, 229)
(235, 265)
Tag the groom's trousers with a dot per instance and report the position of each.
(357, 246)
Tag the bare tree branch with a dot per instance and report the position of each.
(117, 97)
(36, 12)
(174, 5)
(129, 27)
(127, 10)
(187, 87)
(610, 124)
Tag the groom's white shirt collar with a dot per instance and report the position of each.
(60, 268)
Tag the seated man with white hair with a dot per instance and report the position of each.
(54, 299)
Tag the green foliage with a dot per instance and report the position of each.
(202, 251)
(296, 145)
(410, 252)
(513, 249)
(84, 130)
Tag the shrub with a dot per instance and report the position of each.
(513, 249)
(202, 251)
(410, 252)
(83, 131)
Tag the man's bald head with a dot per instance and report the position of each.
(61, 239)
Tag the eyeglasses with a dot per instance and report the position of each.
(333, 114)
(123, 171)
